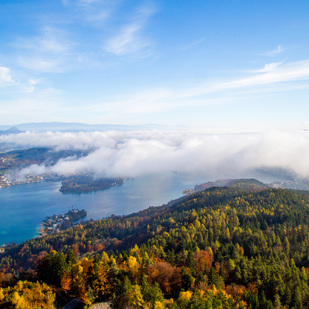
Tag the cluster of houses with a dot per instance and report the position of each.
(6, 181)
(56, 223)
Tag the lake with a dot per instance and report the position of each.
(23, 207)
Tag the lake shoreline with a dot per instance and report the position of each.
(24, 207)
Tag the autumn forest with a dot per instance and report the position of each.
(220, 248)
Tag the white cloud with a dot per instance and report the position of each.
(272, 78)
(126, 41)
(193, 44)
(147, 105)
(275, 52)
(50, 39)
(275, 74)
(88, 1)
(6, 78)
(147, 152)
(41, 63)
(129, 39)
(20, 86)
(95, 11)
(51, 51)
(270, 74)
(29, 86)
(268, 67)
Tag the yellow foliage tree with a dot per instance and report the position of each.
(185, 296)
(158, 305)
(135, 297)
(1, 294)
(27, 295)
(104, 257)
(132, 266)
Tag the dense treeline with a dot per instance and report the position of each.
(220, 248)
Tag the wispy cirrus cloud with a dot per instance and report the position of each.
(129, 38)
(272, 78)
(50, 40)
(47, 52)
(268, 67)
(274, 73)
(127, 41)
(275, 51)
(270, 74)
(93, 11)
(194, 43)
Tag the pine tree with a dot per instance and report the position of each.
(277, 303)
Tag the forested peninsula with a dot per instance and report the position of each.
(56, 223)
(226, 247)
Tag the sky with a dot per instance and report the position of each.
(228, 66)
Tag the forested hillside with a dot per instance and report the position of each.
(220, 248)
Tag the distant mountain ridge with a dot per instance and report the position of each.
(75, 126)
(12, 130)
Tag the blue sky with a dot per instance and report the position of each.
(217, 65)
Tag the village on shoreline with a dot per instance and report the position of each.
(56, 223)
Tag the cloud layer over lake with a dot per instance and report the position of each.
(212, 156)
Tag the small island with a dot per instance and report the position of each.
(84, 184)
(56, 223)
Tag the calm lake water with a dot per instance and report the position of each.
(23, 207)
